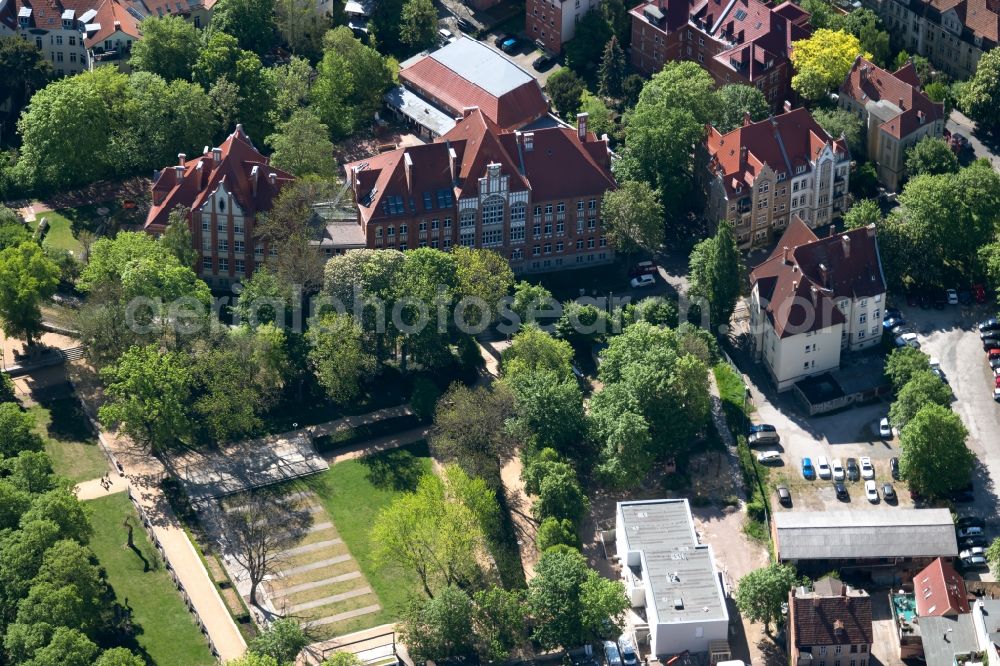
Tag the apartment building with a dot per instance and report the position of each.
(534, 197)
(830, 624)
(57, 29)
(759, 175)
(895, 112)
(952, 34)
(813, 298)
(552, 23)
(224, 188)
(737, 41)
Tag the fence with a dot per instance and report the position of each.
(378, 653)
(148, 526)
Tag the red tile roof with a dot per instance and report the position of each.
(112, 16)
(511, 110)
(838, 620)
(939, 590)
(805, 276)
(781, 142)
(868, 83)
(204, 174)
(558, 165)
(980, 17)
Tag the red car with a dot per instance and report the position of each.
(979, 293)
(643, 268)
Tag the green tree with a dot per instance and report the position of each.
(923, 388)
(148, 393)
(600, 119)
(867, 27)
(533, 350)
(251, 22)
(934, 459)
(343, 659)
(611, 74)
(24, 71)
(27, 278)
(631, 89)
(570, 602)
(715, 273)
(863, 213)
(17, 431)
(498, 622)
(583, 52)
(761, 592)
(554, 532)
(418, 24)
(905, 363)
(68, 647)
(169, 47)
(837, 123)
(864, 182)
(119, 656)
(301, 26)
(383, 25)
(626, 447)
(263, 299)
(993, 552)
(735, 101)
(560, 496)
(550, 410)
(653, 309)
(302, 146)
(532, 303)
(251, 659)
(291, 85)
(424, 398)
(565, 89)
(338, 356)
(931, 156)
(222, 58)
(821, 13)
(177, 239)
(823, 60)
(350, 80)
(981, 95)
(633, 217)
(483, 275)
(938, 91)
(439, 628)
(282, 640)
(583, 324)
(470, 428)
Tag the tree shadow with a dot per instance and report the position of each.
(68, 421)
(397, 469)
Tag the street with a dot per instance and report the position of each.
(957, 122)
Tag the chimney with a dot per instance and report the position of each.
(452, 163)
(180, 159)
(581, 125)
(217, 153)
(239, 129)
(179, 172)
(272, 179)
(746, 118)
(743, 155)
(529, 141)
(784, 254)
(825, 274)
(408, 167)
(469, 110)
(901, 104)
(788, 106)
(204, 151)
(847, 245)
(863, 72)
(254, 173)
(838, 628)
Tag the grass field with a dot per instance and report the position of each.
(166, 631)
(68, 439)
(60, 234)
(353, 492)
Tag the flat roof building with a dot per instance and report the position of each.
(672, 576)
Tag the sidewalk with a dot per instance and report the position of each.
(352, 421)
(380, 444)
(92, 489)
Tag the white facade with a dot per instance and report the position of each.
(61, 41)
(864, 321)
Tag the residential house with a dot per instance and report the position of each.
(934, 621)
(672, 578)
(952, 34)
(57, 29)
(759, 175)
(813, 298)
(552, 23)
(224, 188)
(829, 625)
(986, 619)
(737, 41)
(895, 112)
(534, 197)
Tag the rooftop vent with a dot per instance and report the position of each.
(678, 604)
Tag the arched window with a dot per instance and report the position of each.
(493, 211)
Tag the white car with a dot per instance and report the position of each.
(973, 557)
(996, 394)
(867, 470)
(823, 467)
(871, 491)
(952, 296)
(908, 340)
(642, 281)
(884, 429)
(838, 469)
(768, 457)
(934, 362)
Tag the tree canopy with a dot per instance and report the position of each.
(633, 217)
(931, 156)
(935, 460)
(735, 101)
(715, 268)
(823, 60)
(980, 97)
(169, 47)
(761, 592)
(27, 278)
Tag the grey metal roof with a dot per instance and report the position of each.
(944, 637)
(991, 618)
(482, 65)
(418, 109)
(865, 534)
(676, 565)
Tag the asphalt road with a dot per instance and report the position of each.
(960, 123)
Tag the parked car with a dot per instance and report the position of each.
(823, 468)
(445, 36)
(908, 340)
(996, 393)
(973, 557)
(970, 521)
(888, 492)
(769, 457)
(500, 39)
(994, 362)
(611, 654)
(965, 297)
(838, 469)
(642, 281)
(808, 471)
(894, 467)
(979, 293)
(884, 429)
(892, 313)
(764, 437)
(911, 298)
(840, 490)
(900, 329)
(970, 531)
(629, 657)
(925, 301)
(784, 497)
(509, 45)
(993, 353)
(952, 296)
(542, 62)
(583, 656)
(973, 542)
(992, 342)
(991, 324)
(760, 427)
(892, 322)
(871, 491)
(465, 25)
(867, 470)
(643, 268)
(939, 373)
(940, 300)
(963, 495)
(853, 471)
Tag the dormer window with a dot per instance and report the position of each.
(222, 205)
(800, 169)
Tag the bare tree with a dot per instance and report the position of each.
(259, 530)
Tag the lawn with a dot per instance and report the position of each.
(165, 630)
(60, 234)
(69, 441)
(353, 492)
